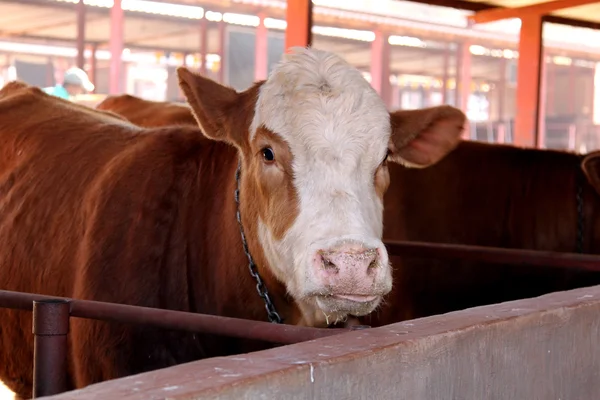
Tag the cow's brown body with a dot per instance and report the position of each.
(148, 113)
(100, 209)
(486, 195)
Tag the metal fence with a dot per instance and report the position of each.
(51, 314)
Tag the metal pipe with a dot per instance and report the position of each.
(177, 320)
(494, 255)
(50, 328)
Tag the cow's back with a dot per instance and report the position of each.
(148, 113)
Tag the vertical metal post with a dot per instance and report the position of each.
(80, 34)
(529, 81)
(261, 50)
(380, 66)
(203, 44)
(116, 44)
(222, 31)
(299, 17)
(50, 328)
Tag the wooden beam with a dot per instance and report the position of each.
(539, 9)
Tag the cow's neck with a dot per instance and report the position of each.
(223, 274)
(261, 287)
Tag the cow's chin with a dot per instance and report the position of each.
(328, 310)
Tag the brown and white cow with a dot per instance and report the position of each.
(148, 113)
(487, 195)
(97, 208)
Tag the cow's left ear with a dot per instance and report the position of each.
(591, 169)
(423, 137)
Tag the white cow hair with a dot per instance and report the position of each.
(337, 129)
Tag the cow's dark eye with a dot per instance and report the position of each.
(268, 154)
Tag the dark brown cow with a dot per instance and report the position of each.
(487, 195)
(92, 207)
(148, 113)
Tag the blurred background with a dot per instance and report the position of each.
(434, 56)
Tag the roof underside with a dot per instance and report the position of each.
(51, 22)
(588, 13)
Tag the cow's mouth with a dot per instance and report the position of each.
(344, 304)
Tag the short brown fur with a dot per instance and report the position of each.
(148, 113)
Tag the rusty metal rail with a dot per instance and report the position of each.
(495, 255)
(51, 314)
(177, 320)
(51, 325)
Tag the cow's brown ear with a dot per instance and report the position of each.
(421, 138)
(213, 105)
(591, 169)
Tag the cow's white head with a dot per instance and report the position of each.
(314, 139)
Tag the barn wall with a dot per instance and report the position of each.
(542, 348)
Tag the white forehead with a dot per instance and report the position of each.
(318, 103)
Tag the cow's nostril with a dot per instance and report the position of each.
(329, 265)
(373, 264)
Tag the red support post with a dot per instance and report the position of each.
(299, 23)
(261, 54)
(203, 44)
(93, 65)
(463, 81)
(551, 73)
(116, 44)
(572, 89)
(501, 90)
(529, 73)
(380, 66)
(446, 67)
(221, 72)
(80, 7)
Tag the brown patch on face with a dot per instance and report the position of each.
(382, 179)
(276, 197)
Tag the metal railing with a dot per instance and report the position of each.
(51, 314)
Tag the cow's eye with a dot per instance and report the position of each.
(386, 158)
(268, 154)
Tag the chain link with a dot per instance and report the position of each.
(260, 286)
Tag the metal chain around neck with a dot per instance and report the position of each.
(260, 286)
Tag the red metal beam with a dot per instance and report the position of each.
(380, 66)
(261, 54)
(116, 41)
(533, 10)
(529, 72)
(80, 7)
(299, 23)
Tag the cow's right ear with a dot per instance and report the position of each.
(591, 169)
(423, 137)
(213, 105)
